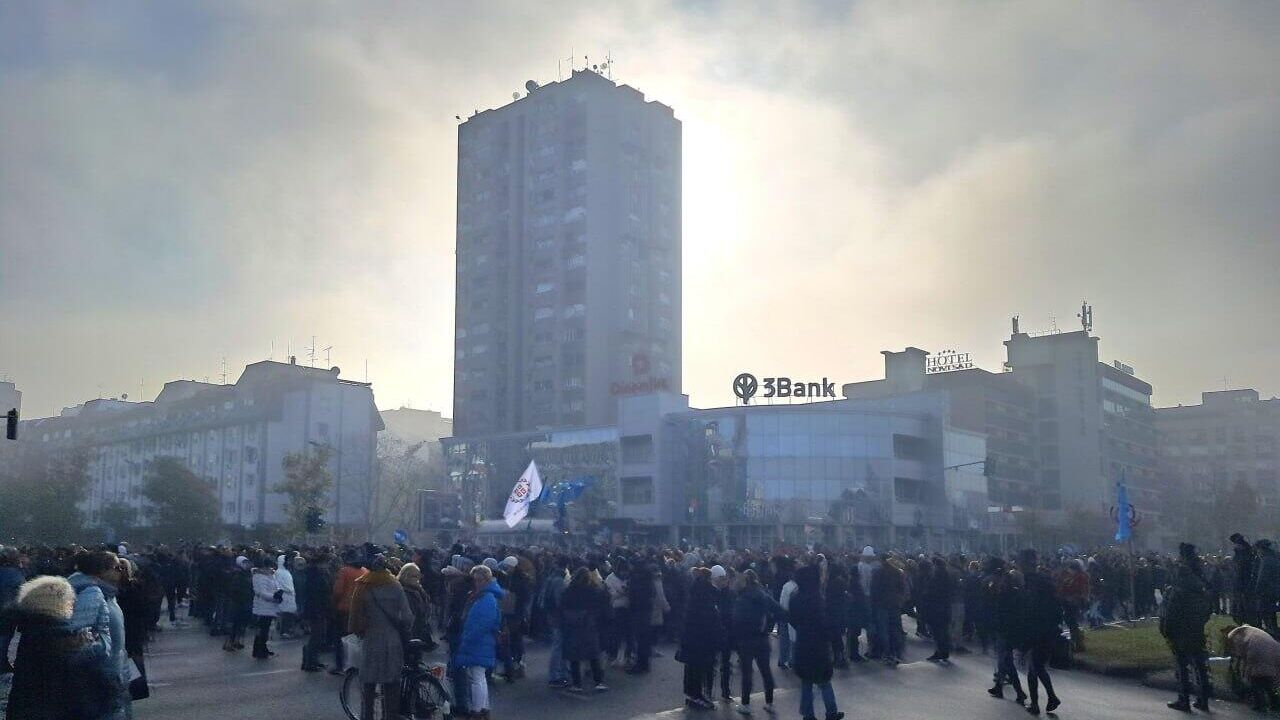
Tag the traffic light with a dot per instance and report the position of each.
(11, 428)
(315, 521)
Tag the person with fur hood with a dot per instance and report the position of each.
(1259, 656)
(61, 672)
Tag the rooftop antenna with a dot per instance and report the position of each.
(1086, 316)
(1053, 324)
(224, 369)
(326, 356)
(366, 369)
(142, 390)
(608, 64)
(312, 351)
(272, 356)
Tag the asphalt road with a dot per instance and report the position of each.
(193, 678)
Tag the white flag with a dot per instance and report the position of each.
(526, 490)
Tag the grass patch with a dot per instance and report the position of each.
(1139, 650)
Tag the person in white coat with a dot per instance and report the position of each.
(288, 609)
(267, 597)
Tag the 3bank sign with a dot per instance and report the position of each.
(747, 386)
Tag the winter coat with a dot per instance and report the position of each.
(753, 613)
(1039, 613)
(264, 593)
(837, 599)
(941, 591)
(859, 614)
(284, 578)
(478, 642)
(888, 588)
(658, 613)
(1268, 575)
(318, 603)
(379, 610)
(10, 580)
(1258, 652)
(239, 584)
(420, 606)
(96, 610)
(580, 610)
(1245, 564)
(344, 585)
(812, 650)
(1185, 611)
(617, 588)
(703, 634)
(47, 682)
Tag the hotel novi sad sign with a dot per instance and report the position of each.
(745, 386)
(947, 361)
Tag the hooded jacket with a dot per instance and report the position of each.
(46, 685)
(264, 591)
(477, 645)
(284, 578)
(96, 610)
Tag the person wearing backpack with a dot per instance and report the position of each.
(1186, 609)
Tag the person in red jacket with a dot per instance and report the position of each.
(343, 587)
(1073, 590)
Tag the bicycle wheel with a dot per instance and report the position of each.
(352, 696)
(430, 699)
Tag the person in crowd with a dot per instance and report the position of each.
(317, 608)
(11, 579)
(640, 599)
(753, 612)
(1003, 599)
(1074, 591)
(553, 589)
(701, 639)
(132, 597)
(95, 583)
(410, 578)
(515, 586)
(888, 592)
(343, 586)
(1041, 615)
(61, 673)
(476, 651)
(1267, 585)
(619, 644)
(267, 597)
(1244, 606)
(813, 666)
(287, 610)
(782, 589)
(1259, 656)
(380, 616)
(723, 592)
(859, 615)
(837, 605)
(1186, 610)
(238, 602)
(941, 590)
(581, 607)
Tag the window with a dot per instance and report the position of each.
(910, 447)
(906, 490)
(543, 314)
(637, 490)
(577, 261)
(578, 310)
(544, 288)
(637, 449)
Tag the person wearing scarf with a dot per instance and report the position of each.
(380, 616)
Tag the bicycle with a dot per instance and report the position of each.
(423, 695)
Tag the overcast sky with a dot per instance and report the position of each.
(184, 182)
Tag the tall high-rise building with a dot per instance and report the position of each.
(568, 256)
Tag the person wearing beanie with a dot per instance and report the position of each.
(410, 577)
(1186, 611)
(490, 563)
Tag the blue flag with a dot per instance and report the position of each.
(1123, 510)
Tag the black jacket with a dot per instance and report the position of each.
(751, 616)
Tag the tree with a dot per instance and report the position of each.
(307, 482)
(180, 505)
(38, 502)
(1088, 528)
(120, 519)
(402, 469)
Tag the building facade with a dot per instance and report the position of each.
(236, 437)
(568, 257)
(1231, 437)
(842, 473)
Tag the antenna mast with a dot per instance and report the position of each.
(1086, 316)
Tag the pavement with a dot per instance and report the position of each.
(191, 676)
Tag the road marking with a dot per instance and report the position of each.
(267, 672)
(682, 710)
(158, 684)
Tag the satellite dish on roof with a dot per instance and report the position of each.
(515, 96)
(531, 86)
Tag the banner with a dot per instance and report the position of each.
(1124, 512)
(526, 490)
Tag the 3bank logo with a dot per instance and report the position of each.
(745, 386)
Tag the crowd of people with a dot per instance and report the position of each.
(84, 616)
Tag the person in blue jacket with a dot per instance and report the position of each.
(477, 649)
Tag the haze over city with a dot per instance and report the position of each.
(183, 183)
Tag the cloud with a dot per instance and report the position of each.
(180, 183)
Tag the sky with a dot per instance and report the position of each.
(184, 185)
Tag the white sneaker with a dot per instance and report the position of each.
(742, 709)
(601, 687)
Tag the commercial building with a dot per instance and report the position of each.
(1061, 429)
(568, 257)
(234, 436)
(889, 471)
